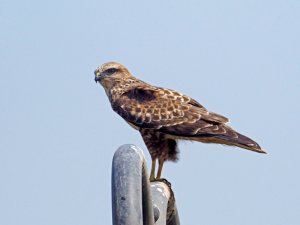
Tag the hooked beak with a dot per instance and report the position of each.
(97, 76)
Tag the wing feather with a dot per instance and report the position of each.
(179, 116)
(156, 108)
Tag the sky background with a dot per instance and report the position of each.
(58, 133)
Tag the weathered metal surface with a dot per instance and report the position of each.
(164, 203)
(132, 203)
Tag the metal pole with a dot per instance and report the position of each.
(131, 203)
(164, 207)
(131, 193)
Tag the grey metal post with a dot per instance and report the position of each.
(164, 207)
(131, 194)
(130, 188)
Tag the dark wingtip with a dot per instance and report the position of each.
(257, 149)
(262, 151)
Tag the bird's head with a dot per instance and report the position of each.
(111, 73)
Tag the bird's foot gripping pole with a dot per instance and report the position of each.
(134, 200)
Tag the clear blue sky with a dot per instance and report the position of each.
(58, 132)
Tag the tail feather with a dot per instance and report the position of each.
(226, 135)
(242, 141)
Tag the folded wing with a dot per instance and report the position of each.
(175, 114)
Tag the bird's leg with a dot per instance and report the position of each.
(152, 175)
(160, 166)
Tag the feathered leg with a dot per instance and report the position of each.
(160, 148)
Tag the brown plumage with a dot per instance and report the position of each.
(163, 116)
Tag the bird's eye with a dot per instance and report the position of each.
(110, 71)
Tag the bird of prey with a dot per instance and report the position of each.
(164, 116)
